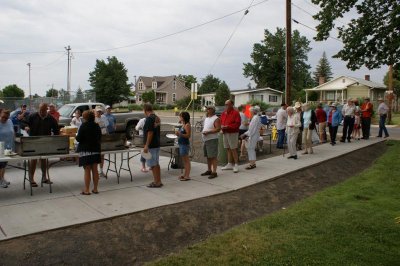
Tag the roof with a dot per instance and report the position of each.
(237, 92)
(364, 82)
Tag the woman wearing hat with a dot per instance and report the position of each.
(253, 134)
(293, 125)
(308, 121)
(334, 117)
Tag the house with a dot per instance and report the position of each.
(341, 88)
(168, 89)
(267, 95)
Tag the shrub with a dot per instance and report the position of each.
(263, 106)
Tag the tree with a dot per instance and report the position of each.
(268, 66)
(79, 96)
(222, 94)
(13, 91)
(52, 93)
(372, 39)
(188, 79)
(396, 80)
(149, 97)
(323, 69)
(110, 81)
(209, 84)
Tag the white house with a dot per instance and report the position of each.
(267, 95)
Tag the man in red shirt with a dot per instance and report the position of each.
(53, 112)
(230, 123)
(366, 109)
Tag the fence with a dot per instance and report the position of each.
(13, 103)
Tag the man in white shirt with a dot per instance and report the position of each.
(382, 112)
(281, 119)
(348, 112)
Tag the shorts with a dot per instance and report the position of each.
(210, 148)
(3, 165)
(155, 157)
(231, 140)
(184, 149)
(89, 158)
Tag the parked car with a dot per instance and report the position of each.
(126, 122)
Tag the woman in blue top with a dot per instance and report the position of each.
(333, 117)
(6, 136)
(184, 145)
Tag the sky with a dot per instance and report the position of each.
(88, 26)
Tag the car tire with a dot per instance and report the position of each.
(130, 130)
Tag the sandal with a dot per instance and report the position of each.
(47, 181)
(206, 173)
(251, 166)
(154, 185)
(95, 192)
(34, 184)
(85, 193)
(184, 179)
(145, 170)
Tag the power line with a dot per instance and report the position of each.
(312, 15)
(304, 25)
(174, 33)
(230, 37)
(52, 62)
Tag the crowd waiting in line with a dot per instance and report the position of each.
(295, 126)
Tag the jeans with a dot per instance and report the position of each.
(366, 126)
(382, 127)
(281, 138)
(348, 125)
(332, 132)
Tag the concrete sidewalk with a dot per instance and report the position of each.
(22, 214)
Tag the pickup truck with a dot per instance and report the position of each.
(126, 122)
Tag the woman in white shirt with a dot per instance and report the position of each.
(293, 125)
(77, 120)
(252, 135)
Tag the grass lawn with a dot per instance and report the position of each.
(352, 223)
(395, 119)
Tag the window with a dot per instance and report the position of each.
(140, 86)
(173, 97)
(330, 96)
(272, 98)
(174, 85)
(154, 85)
(139, 97)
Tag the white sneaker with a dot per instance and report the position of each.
(229, 166)
(3, 184)
(236, 168)
(7, 182)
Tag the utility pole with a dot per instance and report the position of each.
(30, 89)
(288, 68)
(68, 48)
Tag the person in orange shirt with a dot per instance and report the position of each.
(366, 109)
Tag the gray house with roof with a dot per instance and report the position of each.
(167, 89)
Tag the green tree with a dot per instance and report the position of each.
(110, 81)
(396, 80)
(370, 39)
(13, 91)
(209, 84)
(52, 93)
(323, 69)
(188, 79)
(79, 96)
(268, 66)
(222, 94)
(149, 97)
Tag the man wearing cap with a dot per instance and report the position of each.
(348, 112)
(281, 119)
(53, 112)
(366, 109)
(112, 121)
(230, 123)
(333, 117)
(382, 112)
(211, 128)
(19, 117)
